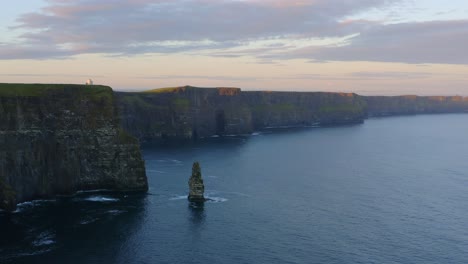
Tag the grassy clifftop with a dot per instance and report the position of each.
(227, 91)
(37, 90)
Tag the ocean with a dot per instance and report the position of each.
(391, 190)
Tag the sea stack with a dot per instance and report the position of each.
(196, 187)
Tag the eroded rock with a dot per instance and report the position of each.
(196, 186)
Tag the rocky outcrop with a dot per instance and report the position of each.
(190, 112)
(196, 186)
(58, 139)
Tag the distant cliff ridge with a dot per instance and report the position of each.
(412, 104)
(58, 139)
(190, 112)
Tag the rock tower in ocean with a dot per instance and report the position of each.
(196, 186)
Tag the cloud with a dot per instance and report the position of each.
(432, 42)
(355, 76)
(204, 77)
(318, 30)
(422, 42)
(391, 75)
(68, 28)
(49, 75)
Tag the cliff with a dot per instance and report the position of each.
(190, 112)
(277, 109)
(184, 113)
(58, 139)
(412, 104)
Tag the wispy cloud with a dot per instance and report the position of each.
(422, 42)
(203, 77)
(65, 28)
(318, 30)
(49, 75)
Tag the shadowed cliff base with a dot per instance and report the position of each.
(59, 139)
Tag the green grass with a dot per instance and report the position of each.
(168, 89)
(181, 103)
(36, 90)
(163, 90)
(137, 100)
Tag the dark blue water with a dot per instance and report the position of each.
(393, 190)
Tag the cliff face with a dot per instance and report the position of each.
(184, 113)
(276, 109)
(412, 104)
(58, 139)
(190, 112)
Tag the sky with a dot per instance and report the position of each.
(370, 47)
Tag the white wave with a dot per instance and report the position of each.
(237, 193)
(99, 198)
(116, 212)
(162, 160)
(215, 136)
(22, 206)
(93, 191)
(179, 197)
(256, 133)
(156, 171)
(37, 252)
(213, 199)
(35, 202)
(216, 199)
(88, 221)
(314, 125)
(44, 239)
(168, 161)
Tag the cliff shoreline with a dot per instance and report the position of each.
(60, 139)
(190, 113)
